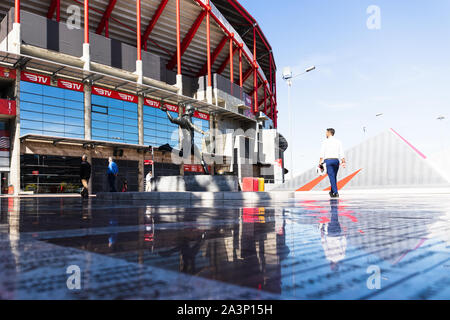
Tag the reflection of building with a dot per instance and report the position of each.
(82, 86)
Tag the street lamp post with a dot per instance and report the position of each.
(441, 119)
(288, 77)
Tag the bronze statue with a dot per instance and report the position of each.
(185, 123)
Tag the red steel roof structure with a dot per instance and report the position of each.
(197, 37)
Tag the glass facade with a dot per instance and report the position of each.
(202, 124)
(158, 130)
(114, 120)
(50, 174)
(51, 111)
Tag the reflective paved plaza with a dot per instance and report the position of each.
(358, 247)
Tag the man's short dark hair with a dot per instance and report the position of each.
(332, 131)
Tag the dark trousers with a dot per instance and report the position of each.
(332, 170)
(112, 182)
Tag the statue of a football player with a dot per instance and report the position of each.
(188, 129)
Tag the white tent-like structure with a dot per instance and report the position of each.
(384, 161)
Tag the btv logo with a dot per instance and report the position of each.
(37, 78)
(126, 97)
(71, 85)
(152, 103)
(103, 92)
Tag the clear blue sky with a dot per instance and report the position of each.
(401, 70)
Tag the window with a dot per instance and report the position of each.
(158, 130)
(51, 111)
(114, 120)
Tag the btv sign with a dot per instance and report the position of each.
(66, 84)
(36, 78)
(114, 94)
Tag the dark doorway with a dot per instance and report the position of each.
(128, 170)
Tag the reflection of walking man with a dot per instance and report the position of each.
(113, 171)
(330, 154)
(334, 242)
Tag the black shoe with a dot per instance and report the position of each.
(84, 194)
(331, 193)
(335, 195)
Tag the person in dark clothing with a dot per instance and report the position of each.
(85, 175)
(113, 171)
(125, 186)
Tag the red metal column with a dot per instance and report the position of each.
(17, 12)
(58, 10)
(187, 39)
(107, 28)
(265, 98)
(208, 43)
(214, 56)
(138, 30)
(231, 63)
(178, 38)
(86, 21)
(255, 74)
(240, 65)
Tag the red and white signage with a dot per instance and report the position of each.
(66, 84)
(156, 104)
(148, 162)
(114, 94)
(195, 168)
(7, 73)
(36, 78)
(201, 115)
(7, 107)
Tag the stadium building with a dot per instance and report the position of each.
(90, 77)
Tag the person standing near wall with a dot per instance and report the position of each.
(330, 154)
(85, 175)
(113, 171)
(148, 182)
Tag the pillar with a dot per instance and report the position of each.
(179, 83)
(15, 141)
(88, 124)
(87, 111)
(141, 119)
(212, 146)
(141, 172)
(139, 70)
(209, 93)
(86, 48)
(180, 141)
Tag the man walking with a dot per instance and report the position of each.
(85, 175)
(113, 171)
(330, 154)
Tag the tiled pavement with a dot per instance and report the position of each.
(307, 248)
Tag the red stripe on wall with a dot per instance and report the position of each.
(310, 185)
(341, 184)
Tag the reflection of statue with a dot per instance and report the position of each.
(185, 123)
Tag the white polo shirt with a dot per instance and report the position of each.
(332, 149)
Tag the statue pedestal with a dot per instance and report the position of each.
(200, 183)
